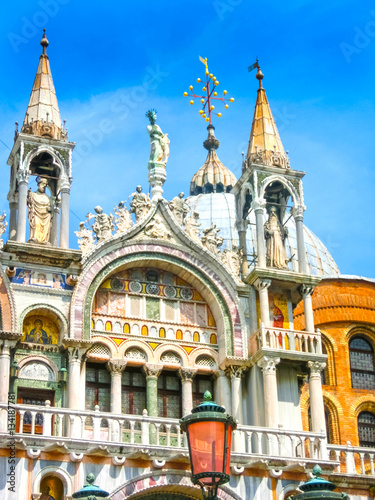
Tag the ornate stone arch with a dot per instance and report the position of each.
(141, 346)
(106, 342)
(224, 306)
(363, 403)
(164, 481)
(54, 471)
(41, 359)
(330, 346)
(44, 148)
(176, 349)
(204, 351)
(63, 323)
(297, 200)
(7, 305)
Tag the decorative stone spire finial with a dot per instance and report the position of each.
(44, 43)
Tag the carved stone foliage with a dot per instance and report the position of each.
(316, 367)
(179, 208)
(235, 371)
(192, 227)
(152, 370)
(122, 220)
(268, 365)
(135, 353)
(116, 365)
(187, 374)
(232, 259)
(3, 227)
(211, 240)
(157, 229)
(170, 358)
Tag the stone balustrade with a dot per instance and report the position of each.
(352, 459)
(285, 340)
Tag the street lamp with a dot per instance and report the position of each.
(91, 491)
(209, 433)
(319, 489)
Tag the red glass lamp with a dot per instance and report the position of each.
(209, 432)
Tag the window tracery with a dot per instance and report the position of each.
(362, 363)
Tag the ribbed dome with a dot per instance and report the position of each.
(220, 208)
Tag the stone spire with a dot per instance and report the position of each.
(265, 146)
(43, 116)
(213, 176)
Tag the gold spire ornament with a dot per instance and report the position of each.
(210, 95)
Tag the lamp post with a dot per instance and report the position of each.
(209, 433)
(13, 372)
(90, 491)
(319, 489)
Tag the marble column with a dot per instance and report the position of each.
(13, 220)
(306, 292)
(116, 367)
(64, 223)
(187, 375)
(258, 207)
(54, 237)
(235, 373)
(223, 394)
(74, 392)
(152, 373)
(242, 228)
(82, 385)
(318, 422)
(297, 213)
(4, 382)
(261, 286)
(271, 400)
(23, 179)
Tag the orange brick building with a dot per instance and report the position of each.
(344, 311)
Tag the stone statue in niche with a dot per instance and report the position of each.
(156, 229)
(40, 212)
(3, 227)
(46, 494)
(103, 224)
(192, 227)
(179, 208)
(275, 235)
(211, 240)
(232, 259)
(85, 238)
(140, 203)
(123, 219)
(159, 141)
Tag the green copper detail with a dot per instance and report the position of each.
(207, 396)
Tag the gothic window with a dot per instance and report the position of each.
(169, 395)
(98, 387)
(362, 363)
(201, 384)
(366, 429)
(133, 397)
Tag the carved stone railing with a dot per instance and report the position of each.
(285, 340)
(352, 460)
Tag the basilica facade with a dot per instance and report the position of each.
(105, 348)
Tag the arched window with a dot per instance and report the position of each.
(362, 363)
(324, 373)
(366, 429)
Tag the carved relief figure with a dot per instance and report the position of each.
(156, 229)
(159, 141)
(103, 224)
(123, 219)
(179, 208)
(275, 234)
(140, 203)
(85, 238)
(39, 205)
(192, 227)
(211, 240)
(46, 494)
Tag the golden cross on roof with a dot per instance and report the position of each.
(210, 94)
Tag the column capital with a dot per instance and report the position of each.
(316, 367)
(241, 225)
(297, 211)
(76, 349)
(187, 374)
(306, 290)
(116, 366)
(262, 284)
(23, 176)
(258, 205)
(235, 371)
(152, 370)
(268, 365)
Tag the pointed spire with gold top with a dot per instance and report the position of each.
(265, 146)
(43, 116)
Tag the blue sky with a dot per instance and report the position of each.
(317, 58)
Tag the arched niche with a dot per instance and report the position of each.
(42, 326)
